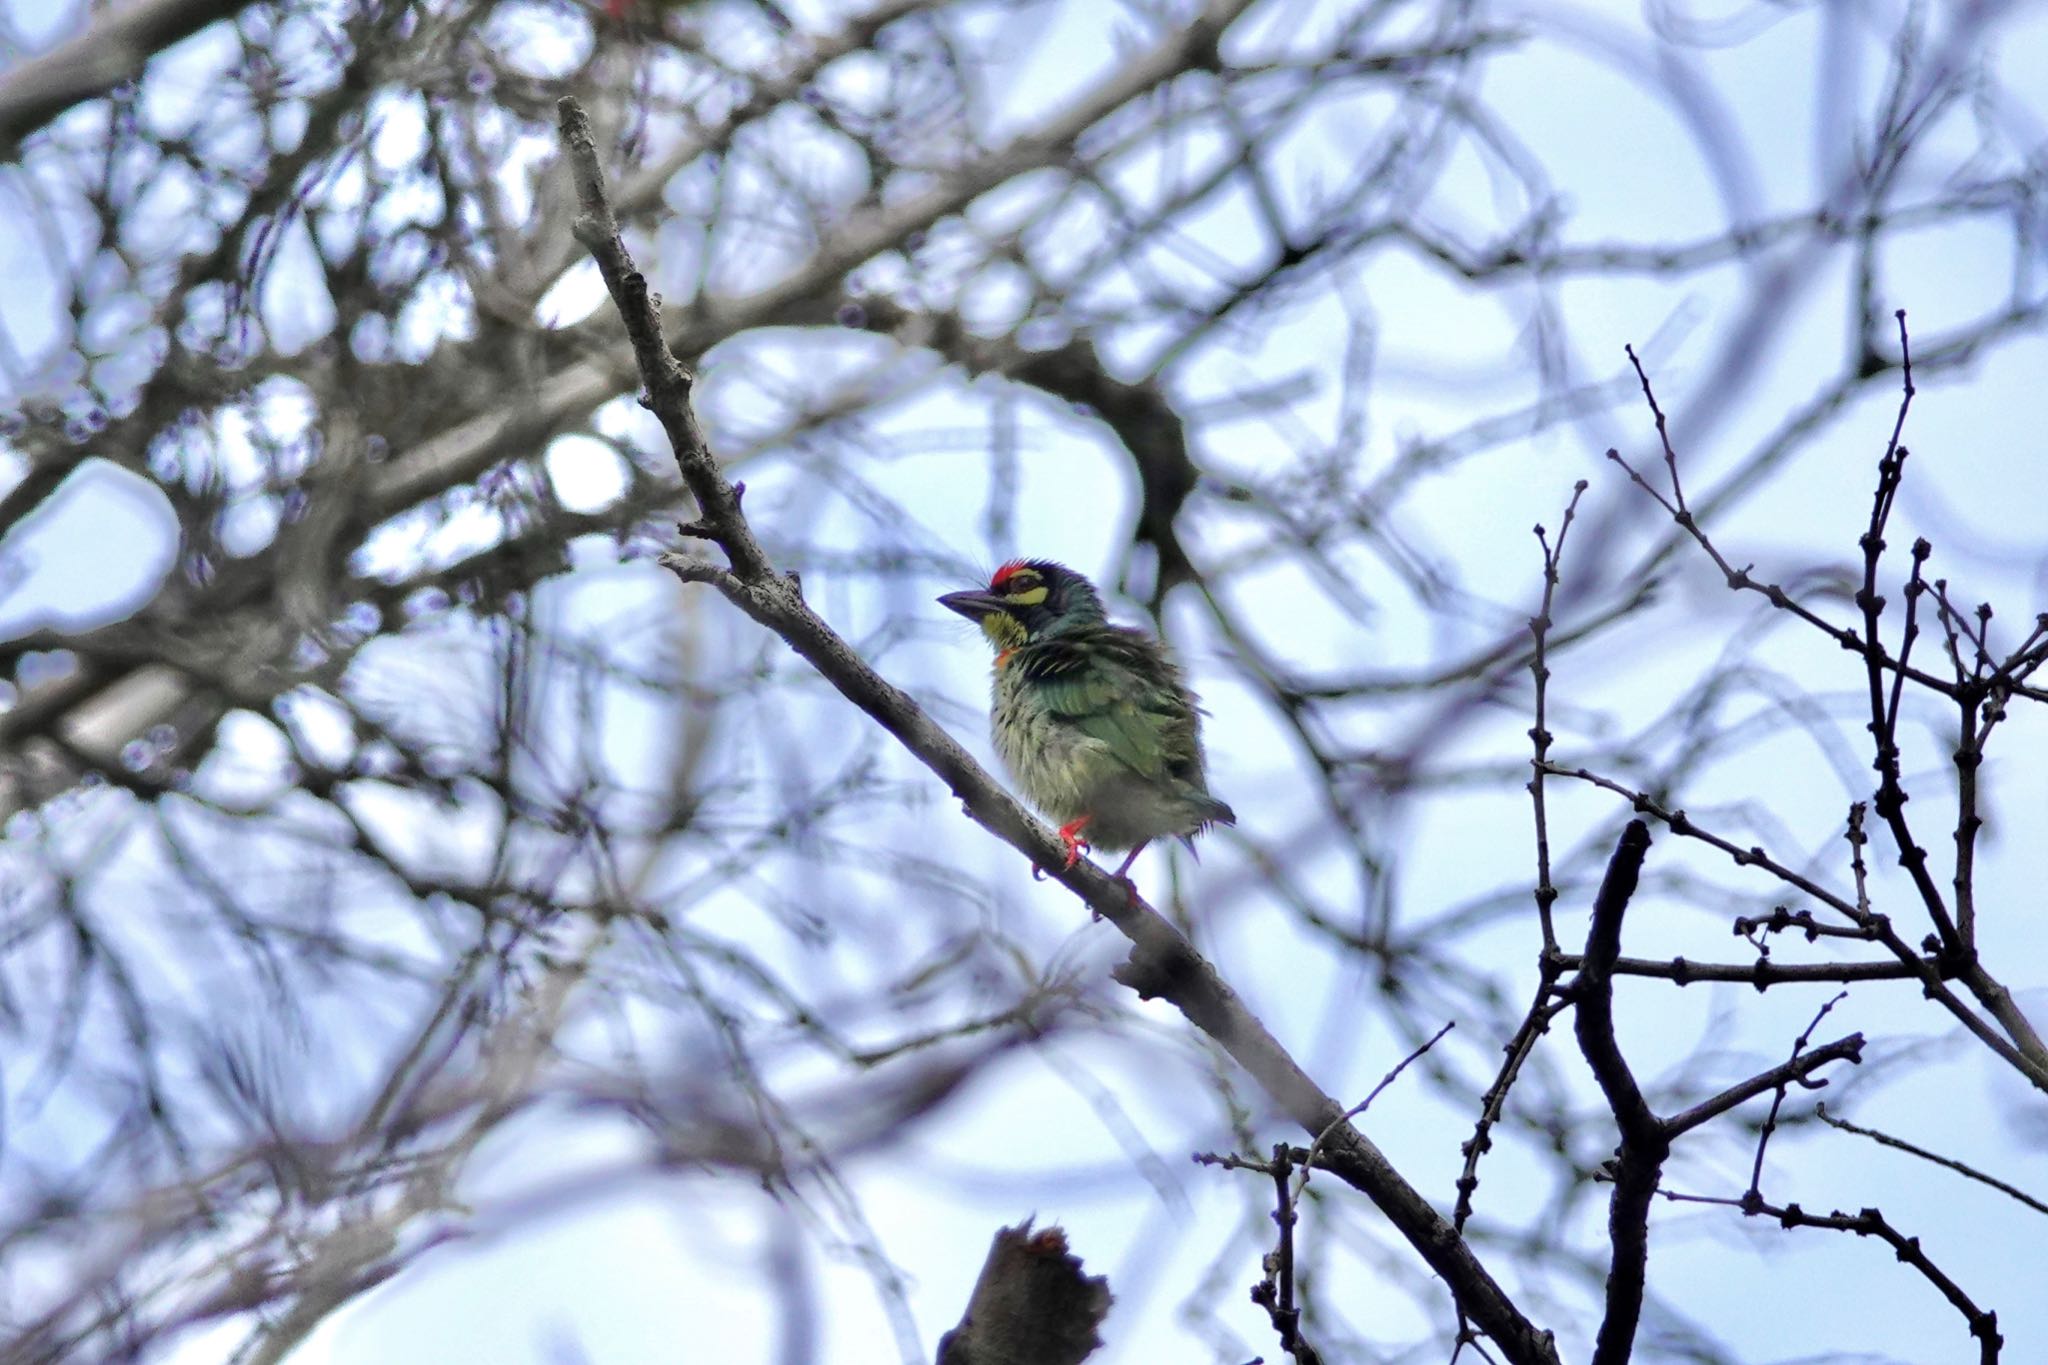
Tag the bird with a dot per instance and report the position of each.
(1093, 721)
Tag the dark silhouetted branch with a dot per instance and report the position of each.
(1798, 1070)
(1644, 1143)
(1762, 973)
(1870, 1222)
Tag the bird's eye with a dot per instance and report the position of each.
(1025, 590)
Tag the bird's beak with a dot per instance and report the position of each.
(972, 605)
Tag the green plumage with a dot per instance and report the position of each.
(1093, 720)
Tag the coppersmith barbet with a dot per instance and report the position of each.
(1093, 720)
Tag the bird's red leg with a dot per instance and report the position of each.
(1070, 835)
(1070, 838)
(1122, 875)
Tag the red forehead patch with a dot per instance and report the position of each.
(1004, 572)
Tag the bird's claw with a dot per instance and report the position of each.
(1070, 835)
(1072, 842)
(1074, 847)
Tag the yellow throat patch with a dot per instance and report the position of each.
(1004, 631)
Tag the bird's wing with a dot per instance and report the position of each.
(1116, 686)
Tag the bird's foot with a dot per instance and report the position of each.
(1070, 837)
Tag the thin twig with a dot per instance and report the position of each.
(1770, 1125)
(1315, 1148)
(1542, 1007)
(1960, 1168)
(1890, 800)
(1539, 732)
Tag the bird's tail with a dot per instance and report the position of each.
(1214, 812)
